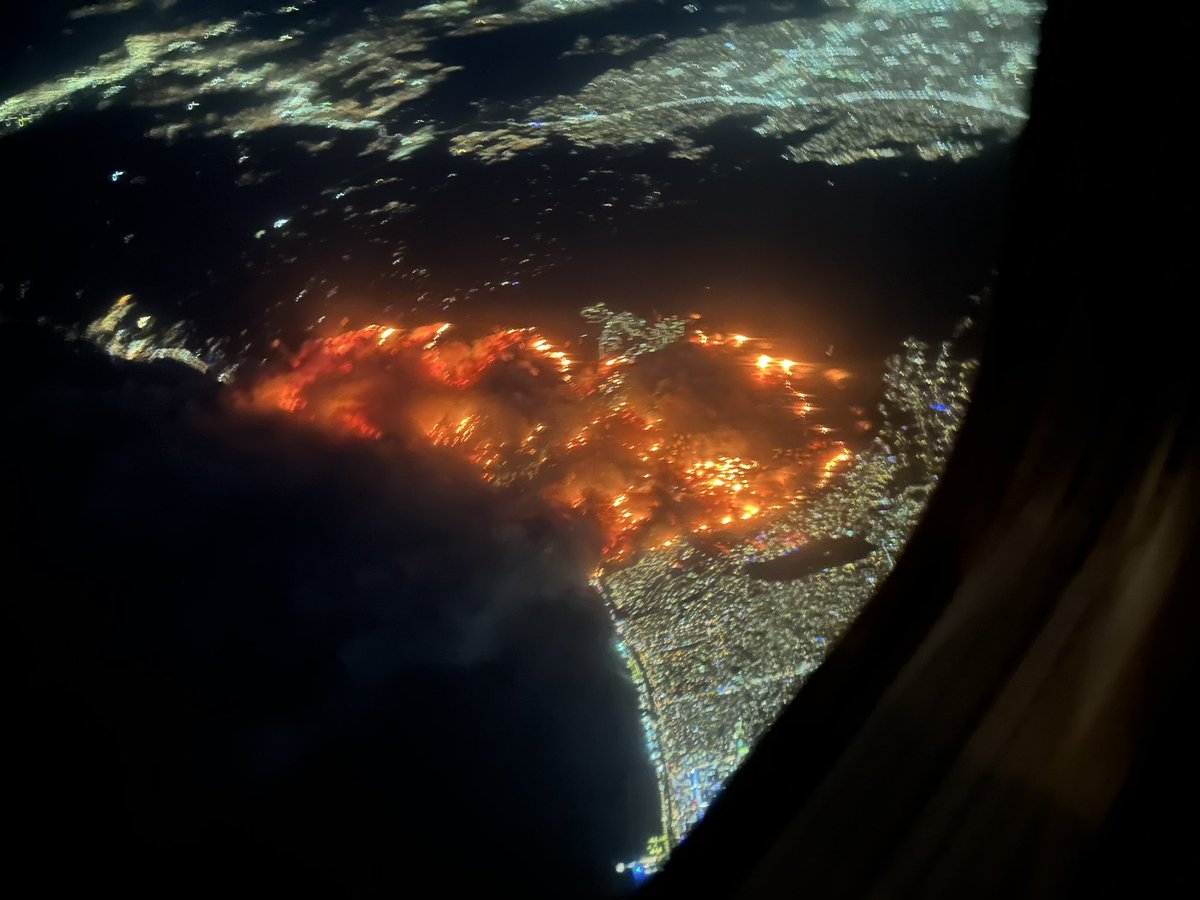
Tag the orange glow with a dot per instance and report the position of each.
(651, 447)
(833, 463)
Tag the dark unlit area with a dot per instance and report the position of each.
(240, 651)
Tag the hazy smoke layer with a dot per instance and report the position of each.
(250, 648)
(707, 435)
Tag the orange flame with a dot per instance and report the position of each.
(648, 467)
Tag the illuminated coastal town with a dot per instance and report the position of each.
(719, 642)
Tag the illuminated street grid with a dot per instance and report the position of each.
(716, 653)
(876, 80)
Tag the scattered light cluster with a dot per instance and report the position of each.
(230, 79)
(716, 649)
(472, 17)
(140, 341)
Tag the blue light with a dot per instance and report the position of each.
(940, 407)
(537, 124)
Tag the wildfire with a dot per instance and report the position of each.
(833, 464)
(652, 446)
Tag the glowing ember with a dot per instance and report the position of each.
(652, 445)
(833, 464)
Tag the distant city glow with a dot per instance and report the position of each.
(876, 79)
